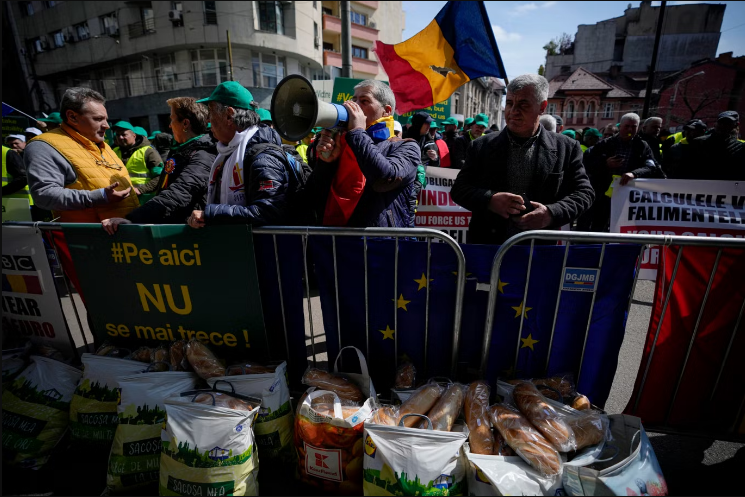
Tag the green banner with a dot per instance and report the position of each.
(152, 284)
(439, 112)
(14, 125)
(344, 89)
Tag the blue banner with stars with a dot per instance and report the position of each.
(604, 338)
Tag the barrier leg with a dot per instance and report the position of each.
(281, 297)
(592, 308)
(307, 295)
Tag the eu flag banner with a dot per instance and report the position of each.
(606, 330)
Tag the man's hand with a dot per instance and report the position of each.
(137, 191)
(113, 195)
(196, 220)
(110, 225)
(538, 219)
(626, 178)
(328, 149)
(357, 118)
(614, 162)
(432, 154)
(506, 204)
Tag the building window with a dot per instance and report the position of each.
(328, 46)
(82, 31)
(271, 17)
(38, 45)
(590, 112)
(570, 110)
(209, 66)
(109, 24)
(267, 70)
(358, 18)
(134, 79)
(608, 111)
(327, 11)
(316, 38)
(109, 84)
(59, 39)
(359, 52)
(165, 73)
(551, 109)
(177, 20)
(27, 9)
(210, 13)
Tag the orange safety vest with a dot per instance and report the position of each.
(91, 174)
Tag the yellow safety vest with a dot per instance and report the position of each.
(583, 147)
(302, 149)
(136, 165)
(86, 159)
(24, 193)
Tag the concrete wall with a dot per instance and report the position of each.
(676, 51)
(593, 43)
(391, 21)
(554, 64)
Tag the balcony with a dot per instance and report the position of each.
(141, 28)
(332, 24)
(367, 66)
(372, 5)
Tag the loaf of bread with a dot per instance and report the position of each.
(161, 354)
(447, 408)
(203, 361)
(564, 386)
(543, 416)
(480, 436)
(143, 354)
(386, 415)
(178, 356)
(525, 440)
(501, 447)
(588, 428)
(342, 387)
(405, 376)
(218, 399)
(581, 403)
(420, 402)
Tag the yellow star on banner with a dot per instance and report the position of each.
(501, 285)
(423, 282)
(387, 332)
(520, 310)
(402, 302)
(528, 342)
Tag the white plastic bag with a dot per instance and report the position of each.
(413, 461)
(207, 450)
(361, 379)
(36, 411)
(500, 475)
(135, 454)
(93, 416)
(274, 423)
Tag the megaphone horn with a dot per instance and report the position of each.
(296, 110)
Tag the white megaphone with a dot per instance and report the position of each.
(296, 110)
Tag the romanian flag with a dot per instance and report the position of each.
(17, 283)
(460, 39)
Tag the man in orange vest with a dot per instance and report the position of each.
(72, 171)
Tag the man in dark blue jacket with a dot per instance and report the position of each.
(244, 188)
(365, 176)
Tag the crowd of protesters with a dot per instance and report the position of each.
(223, 162)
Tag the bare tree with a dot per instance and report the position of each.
(699, 100)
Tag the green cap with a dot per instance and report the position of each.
(483, 117)
(124, 125)
(264, 115)
(209, 125)
(450, 120)
(434, 125)
(479, 121)
(152, 135)
(593, 132)
(317, 130)
(405, 120)
(468, 121)
(140, 131)
(570, 133)
(231, 93)
(54, 117)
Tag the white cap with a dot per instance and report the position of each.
(20, 137)
(397, 126)
(35, 131)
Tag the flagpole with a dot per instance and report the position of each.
(20, 112)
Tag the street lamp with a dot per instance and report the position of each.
(671, 104)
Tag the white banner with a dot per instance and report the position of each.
(436, 208)
(31, 307)
(677, 207)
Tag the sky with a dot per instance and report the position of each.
(522, 28)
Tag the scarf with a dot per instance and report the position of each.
(232, 191)
(349, 182)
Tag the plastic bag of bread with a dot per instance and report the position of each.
(420, 402)
(361, 379)
(405, 376)
(508, 475)
(544, 416)
(589, 428)
(342, 387)
(208, 450)
(525, 439)
(386, 415)
(203, 361)
(248, 367)
(480, 437)
(581, 403)
(501, 447)
(178, 356)
(330, 433)
(447, 408)
(143, 354)
(161, 354)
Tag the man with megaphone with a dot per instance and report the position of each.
(365, 176)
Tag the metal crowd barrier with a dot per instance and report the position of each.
(570, 237)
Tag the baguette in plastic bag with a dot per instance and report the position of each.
(480, 436)
(342, 387)
(543, 416)
(589, 428)
(405, 376)
(386, 415)
(203, 361)
(446, 409)
(420, 402)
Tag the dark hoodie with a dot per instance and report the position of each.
(153, 161)
(182, 186)
(424, 141)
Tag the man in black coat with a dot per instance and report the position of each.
(458, 152)
(522, 159)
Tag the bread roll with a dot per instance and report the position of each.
(405, 376)
(143, 354)
(446, 409)
(419, 403)
(342, 387)
(581, 403)
(203, 361)
(161, 354)
(563, 385)
(385, 416)
(525, 440)
(178, 356)
(539, 412)
(588, 428)
(480, 436)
